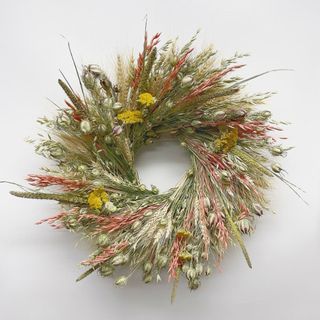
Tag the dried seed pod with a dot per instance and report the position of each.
(119, 259)
(136, 225)
(257, 210)
(108, 139)
(147, 278)
(117, 106)
(147, 267)
(121, 281)
(199, 269)
(162, 261)
(244, 226)
(106, 270)
(85, 126)
(103, 240)
(194, 284)
(276, 168)
(191, 274)
(102, 128)
(207, 271)
(110, 207)
(186, 80)
(277, 151)
(117, 130)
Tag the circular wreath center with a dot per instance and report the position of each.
(162, 163)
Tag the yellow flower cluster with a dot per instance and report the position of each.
(97, 198)
(228, 139)
(183, 233)
(130, 116)
(185, 256)
(146, 99)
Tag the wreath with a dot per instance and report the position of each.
(93, 140)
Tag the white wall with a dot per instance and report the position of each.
(38, 265)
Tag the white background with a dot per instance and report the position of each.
(39, 266)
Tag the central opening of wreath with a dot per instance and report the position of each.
(162, 163)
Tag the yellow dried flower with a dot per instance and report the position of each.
(146, 99)
(130, 116)
(227, 140)
(97, 198)
(185, 256)
(183, 233)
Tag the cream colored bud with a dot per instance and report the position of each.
(162, 261)
(121, 281)
(147, 278)
(154, 189)
(82, 168)
(194, 284)
(147, 267)
(136, 225)
(117, 130)
(109, 206)
(277, 151)
(95, 172)
(103, 240)
(117, 106)
(118, 260)
(219, 115)
(102, 128)
(199, 269)
(276, 168)
(257, 209)
(85, 126)
(208, 271)
(108, 139)
(196, 123)
(105, 270)
(186, 80)
(191, 274)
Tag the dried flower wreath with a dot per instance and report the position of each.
(94, 139)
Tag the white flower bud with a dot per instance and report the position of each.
(102, 128)
(195, 123)
(109, 206)
(162, 261)
(208, 271)
(199, 269)
(147, 267)
(105, 270)
(103, 240)
(108, 139)
(117, 130)
(118, 260)
(276, 168)
(257, 210)
(147, 278)
(136, 225)
(121, 281)
(85, 126)
(186, 80)
(194, 284)
(95, 172)
(219, 115)
(191, 274)
(117, 106)
(277, 151)
(82, 168)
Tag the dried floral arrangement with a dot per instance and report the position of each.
(167, 92)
